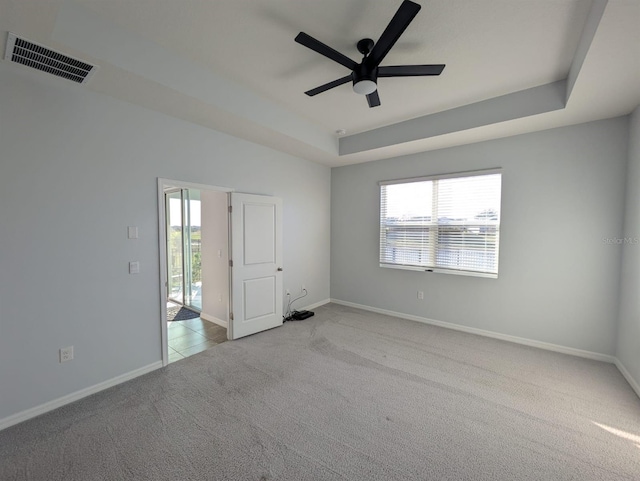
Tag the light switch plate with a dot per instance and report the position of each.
(132, 232)
(134, 267)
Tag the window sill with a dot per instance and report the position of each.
(437, 270)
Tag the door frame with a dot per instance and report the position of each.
(173, 190)
(162, 236)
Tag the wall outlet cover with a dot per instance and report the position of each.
(66, 354)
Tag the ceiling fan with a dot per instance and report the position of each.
(365, 74)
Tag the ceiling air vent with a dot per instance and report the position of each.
(36, 56)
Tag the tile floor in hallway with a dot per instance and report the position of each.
(192, 336)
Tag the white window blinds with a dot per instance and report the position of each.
(448, 223)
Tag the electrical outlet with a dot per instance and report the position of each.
(66, 354)
(421, 295)
(302, 289)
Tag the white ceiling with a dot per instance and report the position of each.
(232, 65)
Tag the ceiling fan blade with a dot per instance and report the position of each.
(410, 70)
(317, 46)
(373, 99)
(400, 21)
(327, 86)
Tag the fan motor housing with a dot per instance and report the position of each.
(364, 72)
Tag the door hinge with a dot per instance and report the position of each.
(230, 263)
(230, 209)
(231, 316)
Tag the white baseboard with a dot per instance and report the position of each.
(225, 324)
(75, 396)
(627, 375)
(214, 319)
(317, 304)
(481, 332)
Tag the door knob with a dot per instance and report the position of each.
(279, 269)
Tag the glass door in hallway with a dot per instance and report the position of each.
(184, 264)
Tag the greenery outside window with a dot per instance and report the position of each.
(446, 223)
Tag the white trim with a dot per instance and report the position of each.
(214, 319)
(453, 175)
(440, 270)
(481, 332)
(627, 375)
(179, 184)
(75, 396)
(162, 249)
(316, 304)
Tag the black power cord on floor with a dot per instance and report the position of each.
(295, 315)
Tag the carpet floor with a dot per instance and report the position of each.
(345, 395)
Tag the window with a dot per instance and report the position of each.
(447, 223)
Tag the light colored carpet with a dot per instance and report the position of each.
(345, 395)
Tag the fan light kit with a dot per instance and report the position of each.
(365, 87)
(365, 74)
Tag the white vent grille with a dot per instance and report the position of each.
(36, 56)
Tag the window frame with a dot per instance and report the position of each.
(435, 269)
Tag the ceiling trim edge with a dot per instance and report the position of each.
(524, 103)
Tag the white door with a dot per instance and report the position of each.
(256, 272)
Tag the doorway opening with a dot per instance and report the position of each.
(194, 245)
(243, 296)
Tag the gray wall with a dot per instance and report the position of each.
(215, 269)
(76, 168)
(563, 192)
(628, 347)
